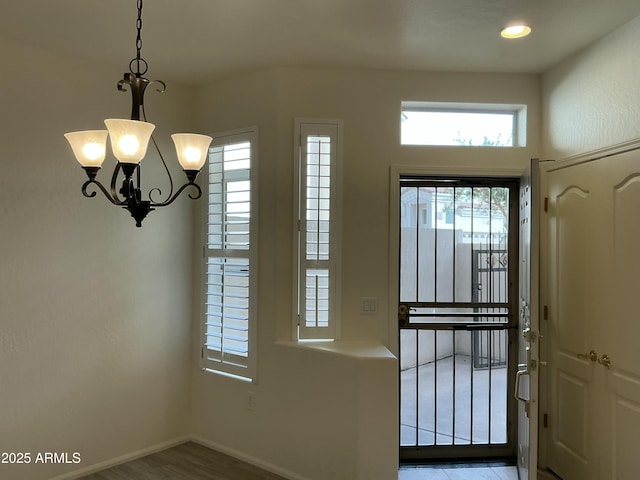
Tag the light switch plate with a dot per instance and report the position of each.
(369, 306)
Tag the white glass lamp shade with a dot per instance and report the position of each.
(129, 139)
(192, 149)
(88, 146)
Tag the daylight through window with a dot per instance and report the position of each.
(229, 256)
(460, 124)
(317, 209)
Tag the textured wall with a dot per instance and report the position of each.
(370, 103)
(94, 313)
(590, 101)
(323, 415)
(95, 350)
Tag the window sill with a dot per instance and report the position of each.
(348, 348)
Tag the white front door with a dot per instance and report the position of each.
(571, 326)
(593, 324)
(526, 389)
(622, 320)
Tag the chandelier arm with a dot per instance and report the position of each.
(114, 179)
(195, 196)
(114, 200)
(166, 168)
(161, 89)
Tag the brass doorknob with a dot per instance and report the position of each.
(605, 361)
(592, 355)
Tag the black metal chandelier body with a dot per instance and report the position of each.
(129, 140)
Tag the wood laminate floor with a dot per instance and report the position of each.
(189, 461)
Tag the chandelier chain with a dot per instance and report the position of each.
(140, 63)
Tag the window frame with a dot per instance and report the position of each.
(517, 111)
(248, 371)
(303, 129)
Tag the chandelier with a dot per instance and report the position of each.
(129, 140)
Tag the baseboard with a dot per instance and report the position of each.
(247, 458)
(547, 475)
(96, 467)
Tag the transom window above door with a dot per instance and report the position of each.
(462, 124)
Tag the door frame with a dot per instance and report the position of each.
(396, 172)
(529, 291)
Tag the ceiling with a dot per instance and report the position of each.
(196, 41)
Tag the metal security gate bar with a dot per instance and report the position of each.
(489, 267)
(457, 241)
(446, 400)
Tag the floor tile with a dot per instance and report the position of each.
(471, 474)
(506, 473)
(422, 474)
(457, 472)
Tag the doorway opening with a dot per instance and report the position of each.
(458, 317)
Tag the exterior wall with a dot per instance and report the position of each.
(94, 343)
(590, 101)
(302, 422)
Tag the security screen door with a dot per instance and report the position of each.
(458, 316)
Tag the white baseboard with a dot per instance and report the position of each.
(546, 475)
(96, 467)
(247, 458)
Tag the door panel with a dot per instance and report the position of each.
(624, 374)
(626, 425)
(594, 401)
(572, 215)
(571, 434)
(627, 267)
(570, 206)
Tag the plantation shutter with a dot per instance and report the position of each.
(318, 231)
(230, 267)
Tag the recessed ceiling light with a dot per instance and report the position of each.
(516, 31)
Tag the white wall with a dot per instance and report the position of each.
(97, 355)
(94, 313)
(590, 101)
(303, 422)
(369, 104)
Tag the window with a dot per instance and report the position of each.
(318, 233)
(475, 125)
(230, 247)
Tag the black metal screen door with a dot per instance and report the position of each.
(458, 295)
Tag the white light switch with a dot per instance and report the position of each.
(369, 306)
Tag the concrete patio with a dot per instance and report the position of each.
(431, 414)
